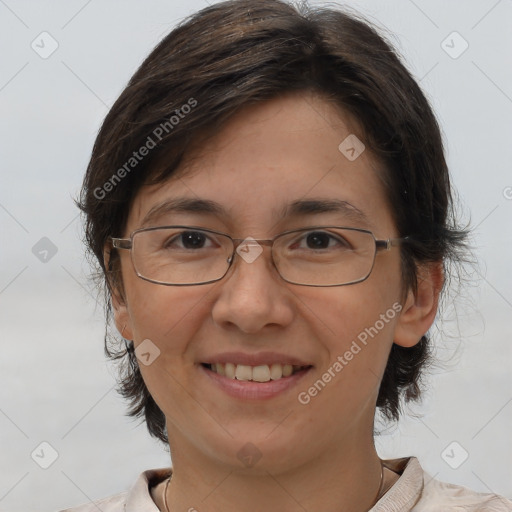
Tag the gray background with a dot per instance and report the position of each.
(56, 386)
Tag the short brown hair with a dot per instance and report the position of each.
(241, 52)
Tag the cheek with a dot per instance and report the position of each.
(355, 326)
(163, 313)
(349, 311)
(165, 323)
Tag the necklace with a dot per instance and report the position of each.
(165, 494)
(377, 497)
(380, 486)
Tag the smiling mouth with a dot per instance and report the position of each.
(260, 373)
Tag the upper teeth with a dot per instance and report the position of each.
(262, 373)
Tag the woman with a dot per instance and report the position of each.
(271, 208)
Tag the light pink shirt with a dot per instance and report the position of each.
(414, 491)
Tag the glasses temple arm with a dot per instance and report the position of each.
(386, 245)
(121, 243)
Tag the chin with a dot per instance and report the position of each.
(257, 453)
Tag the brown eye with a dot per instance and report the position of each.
(318, 240)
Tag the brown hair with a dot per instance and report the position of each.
(239, 52)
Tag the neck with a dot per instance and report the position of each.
(348, 478)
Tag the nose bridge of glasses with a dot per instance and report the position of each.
(250, 240)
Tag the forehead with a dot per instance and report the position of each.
(271, 160)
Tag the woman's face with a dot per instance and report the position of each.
(266, 158)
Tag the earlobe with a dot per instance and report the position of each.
(121, 315)
(420, 307)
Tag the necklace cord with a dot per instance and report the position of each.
(165, 494)
(378, 496)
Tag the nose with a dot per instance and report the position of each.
(252, 295)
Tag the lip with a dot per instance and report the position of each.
(249, 390)
(254, 359)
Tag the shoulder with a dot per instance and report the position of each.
(111, 504)
(438, 494)
(417, 491)
(137, 498)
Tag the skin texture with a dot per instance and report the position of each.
(318, 456)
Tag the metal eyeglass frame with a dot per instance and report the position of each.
(380, 245)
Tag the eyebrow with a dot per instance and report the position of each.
(298, 208)
(304, 207)
(184, 204)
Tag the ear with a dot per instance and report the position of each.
(119, 304)
(420, 307)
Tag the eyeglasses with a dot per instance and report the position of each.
(313, 256)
